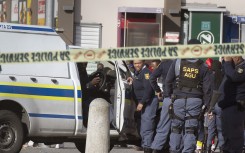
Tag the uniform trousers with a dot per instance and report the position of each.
(233, 129)
(163, 127)
(148, 122)
(184, 128)
(214, 126)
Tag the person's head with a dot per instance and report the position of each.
(193, 41)
(237, 59)
(154, 64)
(138, 64)
(100, 66)
(130, 66)
(216, 65)
(82, 65)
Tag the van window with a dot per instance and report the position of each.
(54, 70)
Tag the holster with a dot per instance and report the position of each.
(201, 115)
(241, 105)
(171, 107)
(171, 111)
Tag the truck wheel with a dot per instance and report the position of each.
(81, 146)
(11, 132)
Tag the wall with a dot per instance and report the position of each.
(106, 11)
(234, 6)
(66, 20)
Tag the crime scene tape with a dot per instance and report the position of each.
(126, 53)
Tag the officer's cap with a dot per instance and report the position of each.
(194, 41)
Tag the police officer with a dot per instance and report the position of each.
(144, 95)
(232, 103)
(88, 87)
(214, 117)
(192, 87)
(163, 126)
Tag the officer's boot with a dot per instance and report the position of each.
(221, 150)
(209, 149)
(156, 151)
(147, 150)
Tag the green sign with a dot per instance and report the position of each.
(206, 27)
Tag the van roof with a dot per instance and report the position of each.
(25, 38)
(26, 28)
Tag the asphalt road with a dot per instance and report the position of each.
(70, 148)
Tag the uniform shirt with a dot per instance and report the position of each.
(143, 91)
(233, 86)
(205, 93)
(160, 71)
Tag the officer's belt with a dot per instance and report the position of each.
(185, 97)
(241, 103)
(192, 117)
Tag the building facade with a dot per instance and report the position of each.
(33, 12)
(119, 23)
(106, 13)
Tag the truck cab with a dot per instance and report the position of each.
(42, 102)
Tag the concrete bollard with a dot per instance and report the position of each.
(98, 135)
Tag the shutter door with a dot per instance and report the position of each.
(88, 35)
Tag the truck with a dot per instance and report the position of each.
(42, 102)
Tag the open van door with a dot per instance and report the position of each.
(124, 106)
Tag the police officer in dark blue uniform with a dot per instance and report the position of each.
(144, 95)
(214, 117)
(164, 124)
(232, 103)
(192, 88)
(88, 87)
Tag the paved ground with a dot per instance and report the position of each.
(70, 148)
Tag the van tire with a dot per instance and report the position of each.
(80, 145)
(11, 132)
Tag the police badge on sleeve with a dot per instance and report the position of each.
(240, 70)
(147, 76)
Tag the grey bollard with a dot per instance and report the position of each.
(98, 133)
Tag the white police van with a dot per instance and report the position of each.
(42, 102)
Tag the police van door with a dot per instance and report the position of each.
(124, 106)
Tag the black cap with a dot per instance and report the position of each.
(194, 41)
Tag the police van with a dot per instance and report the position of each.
(42, 102)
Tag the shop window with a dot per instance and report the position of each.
(22, 12)
(139, 26)
(41, 12)
(15, 11)
(3, 11)
(142, 34)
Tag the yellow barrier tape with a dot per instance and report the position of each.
(127, 53)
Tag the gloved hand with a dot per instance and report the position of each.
(241, 106)
(95, 81)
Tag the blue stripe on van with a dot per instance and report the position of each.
(38, 91)
(33, 29)
(54, 116)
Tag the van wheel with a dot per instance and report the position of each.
(82, 145)
(11, 132)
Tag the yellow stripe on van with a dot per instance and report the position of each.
(39, 97)
(39, 85)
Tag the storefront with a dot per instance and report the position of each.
(234, 29)
(139, 26)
